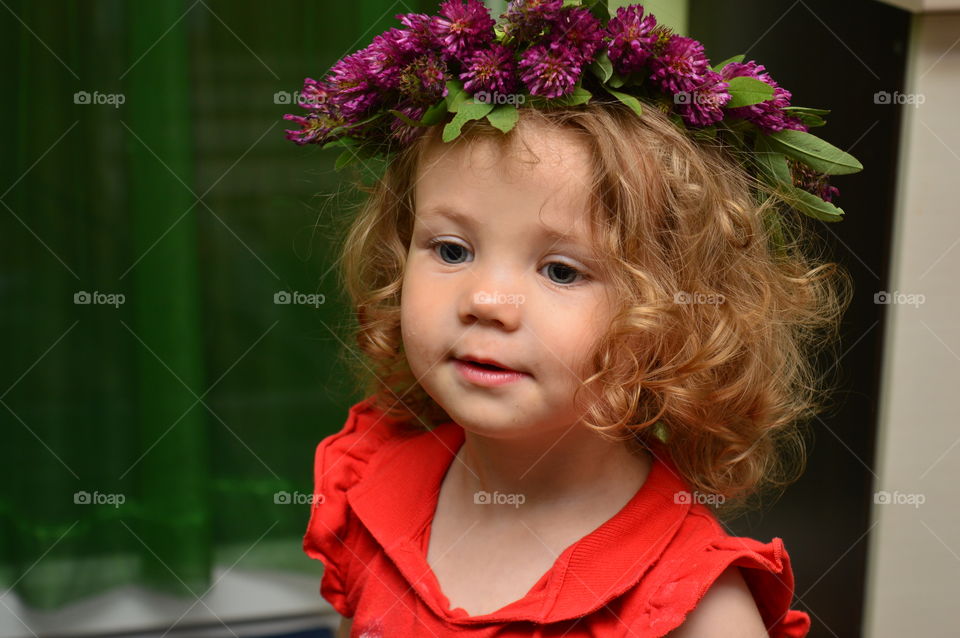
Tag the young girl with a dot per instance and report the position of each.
(585, 337)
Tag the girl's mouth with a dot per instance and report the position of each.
(485, 374)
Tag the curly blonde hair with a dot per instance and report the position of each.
(727, 384)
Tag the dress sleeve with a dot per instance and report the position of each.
(339, 462)
(765, 568)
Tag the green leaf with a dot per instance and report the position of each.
(599, 8)
(434, 114)
(804, 109)
(602, 67)
(705, 133)
(344, 142)
(747, 91)
(616, 80)
(811, 205)
(431, 116)
(504, 117)
(810, 120)
(816, 153)
(455, 95)
(345, 158)
(579, 96)
(403, 116)
(627, 99)
(811, 117)
(736, 58)
(660, 431)
(773, 164)
(772, 222)
(468, 110)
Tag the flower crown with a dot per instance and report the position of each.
(462, 65)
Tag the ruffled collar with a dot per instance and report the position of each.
(397, 497)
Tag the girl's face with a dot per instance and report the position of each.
(485, 278)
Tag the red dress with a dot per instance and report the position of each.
(638, 574)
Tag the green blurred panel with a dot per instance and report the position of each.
(146, 440)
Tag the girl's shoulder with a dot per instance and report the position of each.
(699, 552)
(341, 461)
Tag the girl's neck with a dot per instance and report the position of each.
(578, 468)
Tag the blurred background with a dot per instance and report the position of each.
(162, 397)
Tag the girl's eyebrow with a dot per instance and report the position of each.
(468, 221)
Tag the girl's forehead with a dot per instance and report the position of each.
(535, 156)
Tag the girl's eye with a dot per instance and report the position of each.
(447, 248)
(566, 269)
(567, 274)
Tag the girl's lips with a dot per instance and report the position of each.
(480, 375)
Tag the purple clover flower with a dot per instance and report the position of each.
(385, 58)
(549, 73)
(681, 67)
(463, 28)
(400, 130)
(492, 70)
(704, 105)
(578, 32)
(313, 128)
(350, 87)
(314, 95)
(523, 20)
(633, 38)
(424, 81)
(769, 116)
(421, 35)
(813, 181)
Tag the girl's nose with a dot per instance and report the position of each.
(491, 304)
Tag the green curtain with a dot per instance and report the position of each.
(148, 432)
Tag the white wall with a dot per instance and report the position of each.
(914, 559)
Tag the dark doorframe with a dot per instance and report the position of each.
(834, 55)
